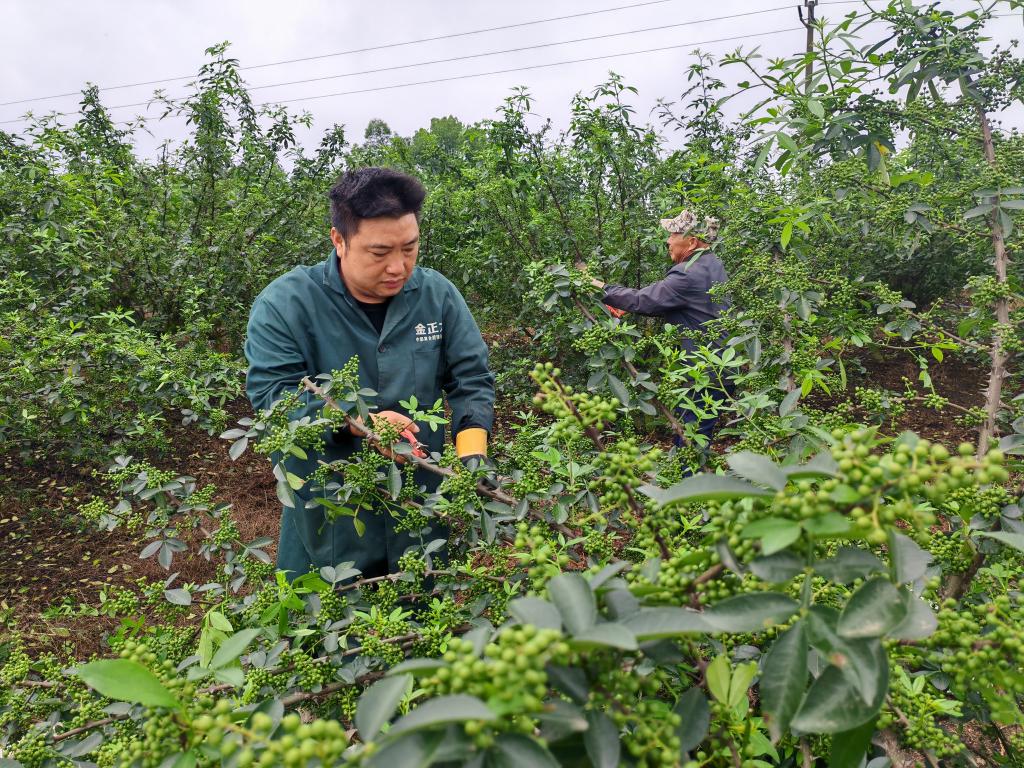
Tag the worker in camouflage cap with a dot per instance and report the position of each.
(682, 296)
(685, 223)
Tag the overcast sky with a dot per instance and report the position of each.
(56, 46)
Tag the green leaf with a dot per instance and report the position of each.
(659, 623)
(919, 623)
(1015, 540)
(751, 612)
(416, 666)
(378, 703)
(757, 468)
(185, 760)
(820, 465)
(233, 647)
(775, 533)
(517, 751)
(784, 678)
(704, 487)
(536, 611)
(444, 709)
(787, 234)
(844, 494)
(414, 750)
(816, 108)
(238, 448)
(608, 635)
(394, 481)
(126, 680)
(848, 564)
(862, 662)
(618, 389)
(178, 596)
(559, 719)
(601, 740)
(295, 481)
(718, 675)
(742, 676)
(873, 610)
(219, 621)
(833, 705)
(693, 708)
(575, 601)
(285, 494)
(789, 402)
(910, 560)
(777, 568)
(849, 747)
(979, 210)
(829, 524)
(762, 155)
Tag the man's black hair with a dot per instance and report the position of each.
(367, 193)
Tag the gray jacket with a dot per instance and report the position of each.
(681, 297)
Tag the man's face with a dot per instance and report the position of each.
(379, 257)
(681, 247)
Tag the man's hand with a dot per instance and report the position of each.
(405, 427)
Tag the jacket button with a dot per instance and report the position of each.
(382, 348)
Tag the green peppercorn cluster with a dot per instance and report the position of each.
(636, 705)
(600, 544)
(226, 535)
(511, 675)
(675, 576)
(375, 630)
(121, 602)
(292, 743)
(571, 410)
(32, 751)
(257, 571)
(986, 290)
(986, 502)
(619, 467)
(951, 551)
(981, 648)
(922, 708)
(594, 338)
(545, 557)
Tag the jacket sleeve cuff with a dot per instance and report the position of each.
(471, 442)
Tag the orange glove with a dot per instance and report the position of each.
(616, 313)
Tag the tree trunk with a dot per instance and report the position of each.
(993, 392)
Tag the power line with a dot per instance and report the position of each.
(403, 43)
(466, 77)
(469, 56)
(466, 57)
(476, 74)
(526, 68)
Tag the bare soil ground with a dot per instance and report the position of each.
(47, 556)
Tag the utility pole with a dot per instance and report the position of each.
(809, 26)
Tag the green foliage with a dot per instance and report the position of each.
(824, 587)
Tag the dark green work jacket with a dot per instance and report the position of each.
(306, 323)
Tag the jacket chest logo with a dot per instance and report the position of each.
(429, 331)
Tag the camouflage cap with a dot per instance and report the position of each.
(685, 223)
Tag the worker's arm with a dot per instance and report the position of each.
(277, 365)
(468, 381)
(674, 291)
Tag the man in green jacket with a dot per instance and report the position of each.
(412, 332)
